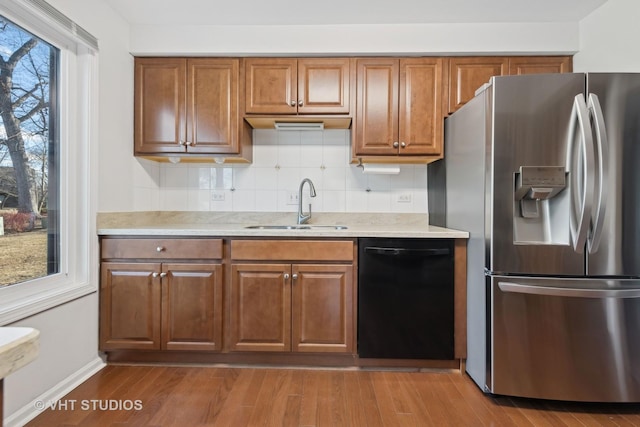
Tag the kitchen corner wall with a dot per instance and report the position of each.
(281, 159)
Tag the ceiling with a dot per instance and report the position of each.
(326, 12)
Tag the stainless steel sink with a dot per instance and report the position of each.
(297, 227)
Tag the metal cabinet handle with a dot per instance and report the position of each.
(160, 249)
(293, 103)
(163, 274)
(286, 276)
(402, 144)
(154, 274)
(181, 142)
(395, 144)
(189, 143)
(295, 276)
(300, 103)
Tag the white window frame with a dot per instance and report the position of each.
(78, 89)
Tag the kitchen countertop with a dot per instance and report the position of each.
(185, 223)
(18, 347)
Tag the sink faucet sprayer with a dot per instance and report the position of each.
(302, 219)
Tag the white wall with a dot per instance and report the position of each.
(69, 333)
(68, 355)
(530, 38)
(609, 38)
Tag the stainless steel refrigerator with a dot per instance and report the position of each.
(544, 172)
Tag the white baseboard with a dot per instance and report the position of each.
(28, 412)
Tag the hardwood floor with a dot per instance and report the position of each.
(199, 396)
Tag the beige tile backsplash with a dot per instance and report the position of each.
(280, 161)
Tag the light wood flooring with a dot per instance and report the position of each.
(213, 396)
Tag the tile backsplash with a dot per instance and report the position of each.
(281, 159)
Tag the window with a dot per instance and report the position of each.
(47, 123)
(29, 151)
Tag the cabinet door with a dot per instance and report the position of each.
(212, 105)
(322, 308)
(377, 106)
(421, 103)
(271, 85)
(539, 64)
(192, 307)
(129, 306)
(467, 74)
(260, 307)
(323, 85)
(159, 105)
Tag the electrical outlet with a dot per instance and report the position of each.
(404, 198)
(292, 198)
(217, 196)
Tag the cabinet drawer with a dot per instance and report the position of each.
(292, 250)
(162, 248)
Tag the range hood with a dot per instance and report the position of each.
(298, 122)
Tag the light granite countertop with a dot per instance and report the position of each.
(184, 223)
(18, 347)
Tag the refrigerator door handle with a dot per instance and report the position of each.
(602, 145)
(580, 167)
(568, 292)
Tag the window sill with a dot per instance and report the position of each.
(21, 308)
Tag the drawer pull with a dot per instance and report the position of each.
(160, 249)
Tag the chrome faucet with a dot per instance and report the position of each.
(302, 219)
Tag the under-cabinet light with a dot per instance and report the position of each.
(298, 126)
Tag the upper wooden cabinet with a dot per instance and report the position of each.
(539, 64)
(188, 105)
(297, 86)
(399, 107)
(467, 74)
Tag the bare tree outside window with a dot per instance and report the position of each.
(28, 155)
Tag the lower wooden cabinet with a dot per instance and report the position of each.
(260, 307)
(192, 307)
(298, 307)
(304, 306)
(321, 308)
(172, 305)
(166, 294)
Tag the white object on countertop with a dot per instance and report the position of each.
(18, 347)
(381, 169)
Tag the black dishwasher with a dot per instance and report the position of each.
(405, 298)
